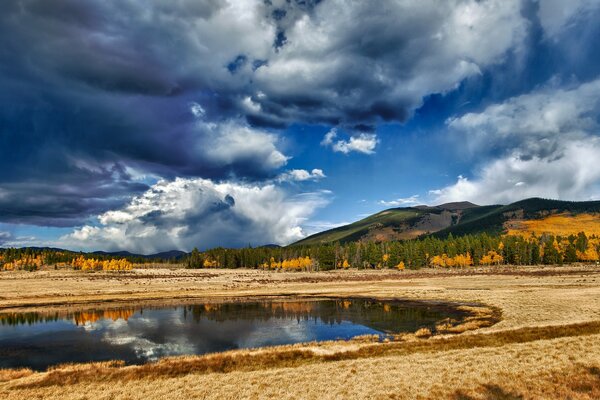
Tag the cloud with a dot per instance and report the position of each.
(401, 202)
(8, 239)
(238, 149)
(89, 87)
(5, 237)
(202, 89)
(185, 213)
(64, 180)
(356, 63)
(534, 122)
(301, 175)
(67, 196)
(276, 62)
(193, 88)
(557, 15)
(362, 143)
(549, 141)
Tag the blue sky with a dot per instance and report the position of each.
(148, 127)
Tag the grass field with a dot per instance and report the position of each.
(559, 224)
(545, 345)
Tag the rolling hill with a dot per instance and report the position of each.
(460, 218)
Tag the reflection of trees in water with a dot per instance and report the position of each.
(81, 318)
(388, 317)
(382, 316)
(29, 318)
(78, 317)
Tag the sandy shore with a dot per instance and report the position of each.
(545, 346)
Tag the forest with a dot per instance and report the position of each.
(462, 252)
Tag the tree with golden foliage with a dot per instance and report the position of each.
(491, 258)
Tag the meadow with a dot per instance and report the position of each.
(538, 336)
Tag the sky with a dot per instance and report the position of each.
(173, 124)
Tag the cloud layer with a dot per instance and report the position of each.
(550, 140)
(100, 100)
(183, 88)
(185, 213)
(361, 143)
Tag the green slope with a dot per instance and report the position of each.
(347, 233)
(395, 223)
(465, 218)
(490, 219)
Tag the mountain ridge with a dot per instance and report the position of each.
(457, 218)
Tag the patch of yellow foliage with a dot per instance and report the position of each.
(91, 264)
(559, 225)
(293, 264)
(460, 260)
(491, 258)
(25, 262)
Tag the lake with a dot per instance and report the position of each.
(138, 334)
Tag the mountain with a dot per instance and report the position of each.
(500, 218)
(165, 255)
(397, 224)
(458, 218)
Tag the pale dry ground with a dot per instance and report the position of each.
(565, 367)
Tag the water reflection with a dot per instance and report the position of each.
(139, 334)
(78, 317)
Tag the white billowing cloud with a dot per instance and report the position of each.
(551, 142)
(556, 15)
(401, 202)
(301, 175)
(235, 143)
(197, 110)
(361, 143)
(541, 118)
(573, 176)
(185, 213)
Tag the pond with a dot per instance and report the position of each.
(147, 333)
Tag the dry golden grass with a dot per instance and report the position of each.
(547, 344)
(11, 374)
(548, 368)
(557, 224)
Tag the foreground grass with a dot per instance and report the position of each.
(286, 357)
(472, 367)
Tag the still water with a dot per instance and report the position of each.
(141, 334)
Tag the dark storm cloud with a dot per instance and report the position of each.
(192, 212)
(359, 63)
(63, 199)
(186, 88)
(85, 86)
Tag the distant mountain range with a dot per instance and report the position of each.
(458, 218)
(165, 255)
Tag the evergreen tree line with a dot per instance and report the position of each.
(463, 251)
(468, 250)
